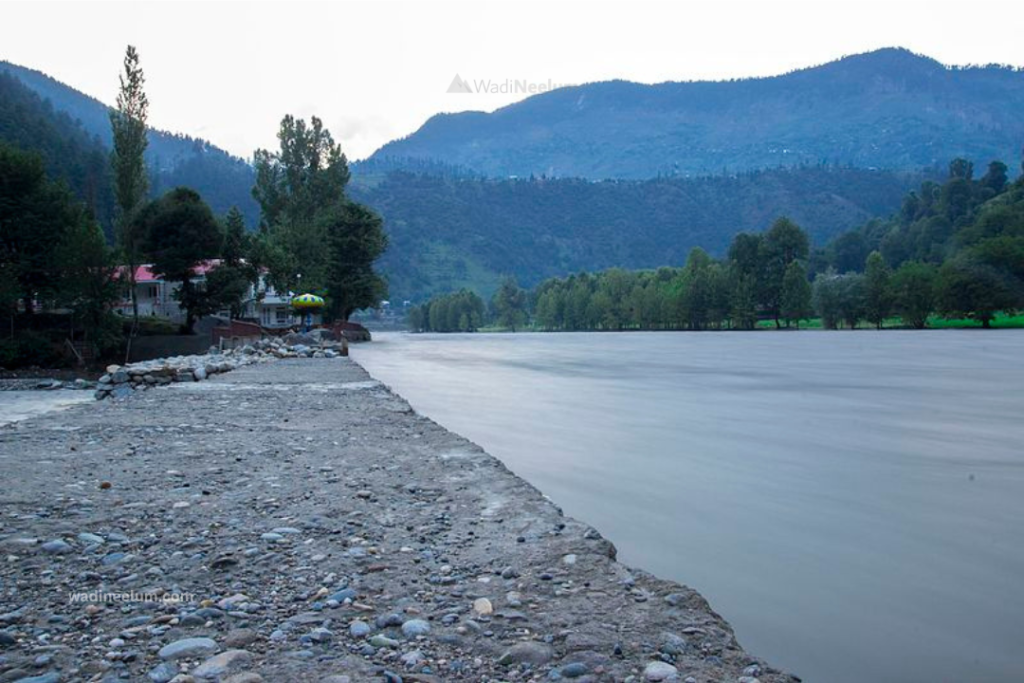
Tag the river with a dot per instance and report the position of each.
(851, 502)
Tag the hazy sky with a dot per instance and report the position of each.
(377, 70)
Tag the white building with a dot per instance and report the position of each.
(263, 304)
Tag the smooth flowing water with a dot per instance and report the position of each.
(852, 502)
(20, 405)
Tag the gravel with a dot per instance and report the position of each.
(329, 533)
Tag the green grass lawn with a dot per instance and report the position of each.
(934, 322)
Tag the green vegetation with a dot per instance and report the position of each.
(180, 233)
(53, 256)
(311, 234)
(447, 233)
(959, 253)
(462, 311)
(72, 132)
(128, 123)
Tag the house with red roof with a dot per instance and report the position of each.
(263, 304)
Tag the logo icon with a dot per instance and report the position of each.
(459, 86)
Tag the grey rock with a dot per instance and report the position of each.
(51, 677)
(574, 670)
(359, 629)
(380, 640)
(528, 652)
(57, 547)
(415, 627)
(230, 661)
(660, 671)
(189, 647)
(163, 672)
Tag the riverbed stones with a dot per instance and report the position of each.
(349, 586)
(660, 671)
(482, 606)
(230, 661)
(415, 627)
(188, 647)
(530, 652)
(359, 629)
(57, 547)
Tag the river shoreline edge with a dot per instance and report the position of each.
(502, 575)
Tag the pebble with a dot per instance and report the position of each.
(57, 547)
(380, 640)
(528, 652)
(415, 627)
(230, 661)
(359, 629)
(163, 672)
(482, 606)
(659, 671)
(188, 647)
(52, 677)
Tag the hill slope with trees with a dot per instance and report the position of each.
(885, 109)
(172, 159)
(447, 233)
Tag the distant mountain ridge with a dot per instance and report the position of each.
(888, 109)
(172, 159)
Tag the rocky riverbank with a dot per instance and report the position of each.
(121, 381)
(295, 521)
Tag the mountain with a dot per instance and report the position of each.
(447, 233)
(223, 180)
(68, 151)
(886, 109)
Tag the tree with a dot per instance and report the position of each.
(128, 124)
(995, 177)
(827, 296)
(510, 304)
(783, 243)
(86, 284)
(913, 291)
(877, 292)
(743, 303)
(295, 187)
(696, 290)
(849, 251)
(35, 216)
(236, 241)
(355, 239)
(796, 295)
(181, 232)
(970, 287)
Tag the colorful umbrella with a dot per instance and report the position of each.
(307, 301)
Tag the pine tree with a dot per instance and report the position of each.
(128, 123)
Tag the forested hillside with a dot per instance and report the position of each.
(447, 234)
(172, 159)
(885, 109)
(68, 152)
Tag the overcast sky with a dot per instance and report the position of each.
(374, 71)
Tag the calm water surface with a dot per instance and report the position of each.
(21, 405)
(853, 503)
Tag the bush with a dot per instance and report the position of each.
(30, 348)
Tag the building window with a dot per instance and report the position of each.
(152, 291)
(282, 317)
